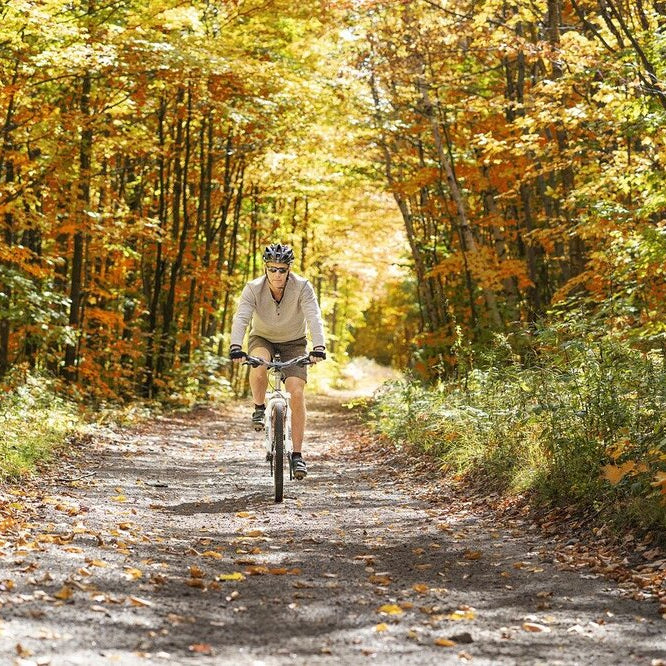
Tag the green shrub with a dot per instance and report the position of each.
(583, 420)
(35, 423)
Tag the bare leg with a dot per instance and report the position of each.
(296, 387)
(259, 376)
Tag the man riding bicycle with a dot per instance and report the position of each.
(279, 304)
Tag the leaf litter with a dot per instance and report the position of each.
(123, 538)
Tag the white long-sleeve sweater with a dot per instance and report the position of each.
(278, 322)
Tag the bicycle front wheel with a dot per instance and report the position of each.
(278, 450)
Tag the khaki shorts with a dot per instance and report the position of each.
(287, 351)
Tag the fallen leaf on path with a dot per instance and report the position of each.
(195, 582)
(535, 627)
(119, 498)
(23, 652)
(473, 555)
(132, 574)
(99, 609)
(380, 579)
(201, 648)
(245, 514)
(390, 609)
(444, 642)
(257, 570)
(461, 614)
(213, 554)
(174, 618)
(96, 563)
(369, 559)
(70, 510)
(64, 593)
(421, 588)
(236, 575)
(138, 601)
(197, 572)
(301, 584)
(122, 547)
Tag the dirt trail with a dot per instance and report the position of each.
(165, 547)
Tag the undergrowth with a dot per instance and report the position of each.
(34, 425)
(579, 421)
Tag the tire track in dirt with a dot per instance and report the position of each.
(174, 552)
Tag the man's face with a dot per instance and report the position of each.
(277, 273)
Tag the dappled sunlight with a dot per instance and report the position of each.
(113, 567)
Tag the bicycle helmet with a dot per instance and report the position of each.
(280, 254)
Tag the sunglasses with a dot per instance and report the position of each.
(274, 269)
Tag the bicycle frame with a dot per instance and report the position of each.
(278, 395)
(277, 418)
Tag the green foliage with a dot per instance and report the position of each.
(202, 380)
(583, 422)
(390, 323)
(36, 422)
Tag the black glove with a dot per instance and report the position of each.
(318, 352)
(235, 352)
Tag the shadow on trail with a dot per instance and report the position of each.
(332, 602)
(212, 560)
(251, 501)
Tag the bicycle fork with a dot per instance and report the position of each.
(271, 399)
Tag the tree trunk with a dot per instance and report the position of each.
(180, 233)
(160, 262)
(463, 223)
(76, 277)
(7, 170)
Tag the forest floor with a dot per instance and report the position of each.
(160, 543)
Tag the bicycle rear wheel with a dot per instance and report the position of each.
(278, 450)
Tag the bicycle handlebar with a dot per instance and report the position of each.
(255, 362)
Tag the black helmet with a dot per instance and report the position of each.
(280, 254)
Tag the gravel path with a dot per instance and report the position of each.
(163, 545)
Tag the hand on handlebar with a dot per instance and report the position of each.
(317, 354)
(236, 354)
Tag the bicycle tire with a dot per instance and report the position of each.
(278, 450)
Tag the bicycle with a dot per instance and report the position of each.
(277, 419)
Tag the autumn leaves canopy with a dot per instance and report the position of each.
(150, 149)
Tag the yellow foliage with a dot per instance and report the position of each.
(615, 473)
